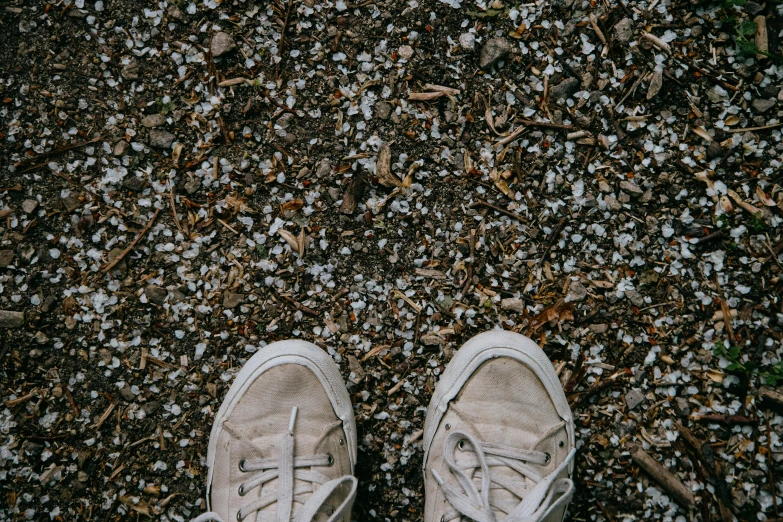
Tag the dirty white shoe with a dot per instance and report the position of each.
(283, 445)
(499, 436)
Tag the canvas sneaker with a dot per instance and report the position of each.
(283, 445)
(499, 436)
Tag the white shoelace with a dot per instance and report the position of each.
(286, 470)
(548, 494)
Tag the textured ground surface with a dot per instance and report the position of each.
(184, 182)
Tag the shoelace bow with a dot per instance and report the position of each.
(286, 470)
(548, 494)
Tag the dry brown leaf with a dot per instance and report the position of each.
(702, 133)
(501, 184)
(741, 202)
(234, 203)
(383, 167)
(657, 42)
(655, 84)
(176, 152)
(766, 200)
(725, 204)
(558, 312)
(294, 204)
(296, 243)
(442, 88)
(425, 96)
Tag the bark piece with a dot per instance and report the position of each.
(671, 484)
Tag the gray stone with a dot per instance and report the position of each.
(631, 188)
(513, 305)
(175, 13)
(634, 398)
(222, 43)
(130, 71)
(153, 120)
(493, 51)
(753, 8)
(604, 187)
(771, 91)
(127, 393)
(715, 150)
(763, 104)
(576, 292)
(232, 300)
(160, 139)
(48, 304)
(71, 202)
(324, 168)
(635, 297)
(40, 338)
(150, 407)
(285, 120)
(193, 185)
(121, 148)
(133, 182)
(156, 294)
(11, 319)
(6, 258)
(120, 269)
(612, 203)
(43, 254)
(27, 252)
(405, 52)
(564, 89)
(383, 109)
(681, 405)
(29, 206)
(467, 41)
(623, 31)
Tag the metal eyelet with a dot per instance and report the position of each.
(442, 518)
(330, 461)
(547, 458)
(448, 427)
(561, 444)
(341, 442)
(240, 518)
(242, 465)
(242, 491)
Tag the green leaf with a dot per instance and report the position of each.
(748, 28)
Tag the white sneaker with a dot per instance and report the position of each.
(499, 436)
(283, 445)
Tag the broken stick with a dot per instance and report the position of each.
(664, 477)
(125, 252)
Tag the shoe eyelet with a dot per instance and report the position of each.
(341, 442)
(561, 444)
(448, 427)
(242, 491)
(442, 518)
(547, 458)
(330, 461)
(242, 465)
(240, 518)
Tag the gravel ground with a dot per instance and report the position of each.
(183, 182)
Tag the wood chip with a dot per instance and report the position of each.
(671, 484)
